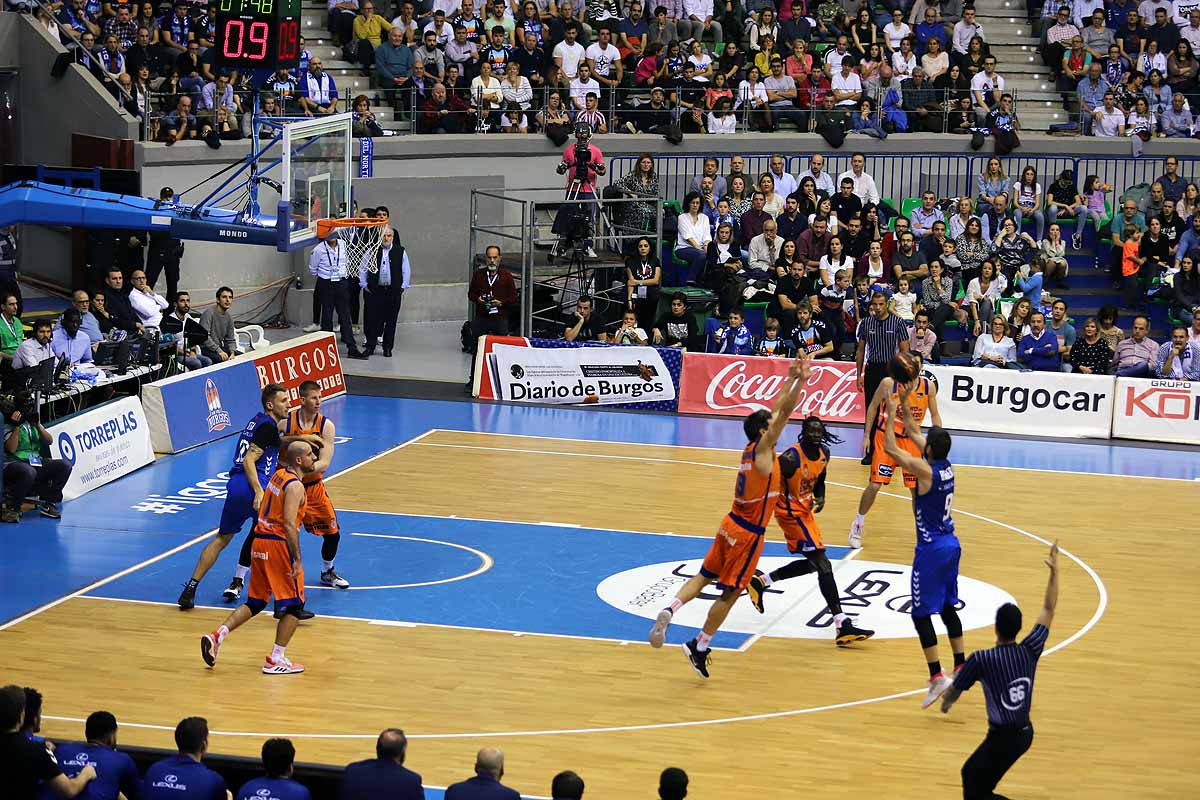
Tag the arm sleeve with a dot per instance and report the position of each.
(266, 436)
(969, 673)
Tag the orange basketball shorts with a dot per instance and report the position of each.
(882, 465)
(733, 556)
(319, 516)
(801, 530)
(270, 563)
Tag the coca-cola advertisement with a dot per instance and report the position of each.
(738, 385)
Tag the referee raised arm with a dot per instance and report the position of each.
(1007, 672)
(880, 336)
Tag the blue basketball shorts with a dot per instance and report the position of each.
(934, 581)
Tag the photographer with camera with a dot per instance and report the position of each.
(581, 163)
(24, 467)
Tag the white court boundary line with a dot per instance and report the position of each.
(841, 458)
(486, 562)
(1096, 616)
(155, 559)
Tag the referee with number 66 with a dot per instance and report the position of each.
(1007, 672)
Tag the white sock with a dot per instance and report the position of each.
(326, 565)
(277, 652)
(222, 632)
(838, 619)
(676, 604)
(702, 640)
(240, 572)
(767, 580)
(859, 519)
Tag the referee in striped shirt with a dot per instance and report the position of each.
(1007, 672)
(880, 336)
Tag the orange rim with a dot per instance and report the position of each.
(327, 226)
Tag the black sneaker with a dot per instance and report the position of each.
(847, 633)
(187, 598)
(755, 590)
(699, 660)
(234, 591)
(50, 511)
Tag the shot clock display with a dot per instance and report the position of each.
(258, 34)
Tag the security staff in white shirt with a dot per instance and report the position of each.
(328, 263)
(384, 290)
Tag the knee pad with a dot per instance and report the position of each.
(925, 632)
(952, 622)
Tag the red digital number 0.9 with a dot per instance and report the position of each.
(235, 40)
(289, 40)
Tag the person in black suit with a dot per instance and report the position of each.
(489, 769)
(382, 776)
(383, 291)
(116, 303)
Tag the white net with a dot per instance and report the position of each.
(362, 238)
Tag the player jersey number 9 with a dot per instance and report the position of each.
(949, 503)
(243, 447)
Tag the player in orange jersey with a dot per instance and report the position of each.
(734, 553)
(922, 398)
(803, 467)
(275, 567)
(308, 424)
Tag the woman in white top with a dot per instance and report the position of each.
(958, 222)
(773, 203)
(721, 119)
(1027, 201)
(1150, 58)
(486, 95)
(825, 212)
(834, 260)
(982, 294)
(1054, 255)
(516, 88)
(903, 60)
(702, 61)
(895, 31)
(935, 61)
(691, 242)
(1140, 119)
(995, 350)
(751, 91)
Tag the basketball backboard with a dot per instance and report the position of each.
(317, 178)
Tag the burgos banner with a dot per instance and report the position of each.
(1160, 410)
(739, 385)
(102, 444)
(1035, 403)
(202, 406)
(306, 358)
(603, 375)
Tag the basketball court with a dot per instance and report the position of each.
(506, 563)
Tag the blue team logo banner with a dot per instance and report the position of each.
(202, 406)
(366, 157)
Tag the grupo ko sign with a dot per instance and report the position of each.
(738, 385)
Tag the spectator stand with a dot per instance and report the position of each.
(522, 222)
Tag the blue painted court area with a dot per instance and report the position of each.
(145, 515)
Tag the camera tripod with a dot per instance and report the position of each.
(576, 243)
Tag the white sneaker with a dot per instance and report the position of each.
(356, 329)
(629, 126)
(311, 327)
(331, 578)
(658, 633)
(591, 253)
(937, 687)
(856, 532)
(283, 666)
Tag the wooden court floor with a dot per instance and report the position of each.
(1115, 711)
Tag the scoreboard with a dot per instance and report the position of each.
(258, 34)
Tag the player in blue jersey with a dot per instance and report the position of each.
(116, 774)
(183, 776)
(255, 458)
(935, 561)
(277, 757)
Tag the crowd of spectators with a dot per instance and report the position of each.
(35, 767)
(989, 263)
(1128, 69)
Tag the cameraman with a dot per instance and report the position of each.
(581, 163)
(24, 467)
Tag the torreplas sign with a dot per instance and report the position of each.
(594, 375)
(1034, 403)
(102, 445)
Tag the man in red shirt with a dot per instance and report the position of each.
(493, 293)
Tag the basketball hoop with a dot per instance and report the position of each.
(362, 237)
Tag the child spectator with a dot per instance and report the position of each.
(903, 303)
(771, 344)
(733, 338)
(629, 332)
(1131, 262)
